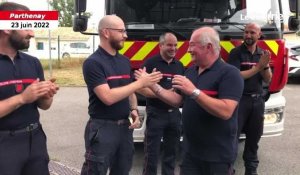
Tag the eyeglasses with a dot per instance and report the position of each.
(123, 31)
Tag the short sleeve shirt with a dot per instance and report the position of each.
(168, 70)
(243, 59)
(15, 76)
(208, 137)
(114, 70)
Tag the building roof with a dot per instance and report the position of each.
(65, 33)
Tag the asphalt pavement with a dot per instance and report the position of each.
(65, 121)
(64, 125)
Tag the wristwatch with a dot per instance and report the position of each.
(195, 94)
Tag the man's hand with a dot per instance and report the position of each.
(135, 119)
(183, 84)
(147, 79)
(45, 101)
(264, 60)
(34, 91)
(53, 88)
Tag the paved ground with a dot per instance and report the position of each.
(57, 168)
(64, 125)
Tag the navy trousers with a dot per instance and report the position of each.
(192, 166)
(24, 153)
(251, 122)
(166, 125)
(109, 146)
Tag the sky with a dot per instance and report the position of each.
(96, 7)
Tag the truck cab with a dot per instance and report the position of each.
(145, 20)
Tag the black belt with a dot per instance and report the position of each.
(117, 122)
(162, 109)
(29, 128)
(253, 95)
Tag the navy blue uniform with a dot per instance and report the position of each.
(252, 104)
(163, 121)
(108, 140)
(22, 141)
(210, 143)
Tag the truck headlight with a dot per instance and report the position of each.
(273, 115)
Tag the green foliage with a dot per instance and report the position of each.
(65, 9)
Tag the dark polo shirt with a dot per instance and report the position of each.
(114, 70)
(168, 70)
(15, 76)
(210, 138)
(243, 59)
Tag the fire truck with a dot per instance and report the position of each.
(145, 20)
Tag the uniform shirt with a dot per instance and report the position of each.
(101, 68)
(15, 76)
(168, 70)
(210, 138)
(243, 59)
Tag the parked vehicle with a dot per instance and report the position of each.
(75, 50)
(294, 59)
(145, 20)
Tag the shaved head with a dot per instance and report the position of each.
(252, 33)
(253, 25)
(168, 46)
(112, 33)
(110, 21)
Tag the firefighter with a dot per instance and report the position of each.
(163, 120)
(209, 112)
(23, 148)
(253, 63)
(108, 134)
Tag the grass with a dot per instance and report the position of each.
(68, 72)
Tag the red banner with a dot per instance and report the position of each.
(29, 15)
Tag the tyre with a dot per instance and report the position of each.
(66, 55)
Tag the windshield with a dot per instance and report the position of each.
(264, 12)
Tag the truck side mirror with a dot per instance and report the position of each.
(80, 6)
(293, 6)
(80, 23)
(293, 23)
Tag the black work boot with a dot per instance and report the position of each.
(251, 172)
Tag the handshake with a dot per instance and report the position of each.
(147, 79)
(150, 80)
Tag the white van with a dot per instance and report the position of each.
(76, 50)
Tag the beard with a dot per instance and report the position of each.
(17, 42)
(249, 41)
(116, 44)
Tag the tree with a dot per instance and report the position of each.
(65, 10)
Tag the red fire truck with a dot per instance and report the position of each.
(145, 20)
